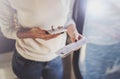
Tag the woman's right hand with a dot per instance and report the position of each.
(36, 33)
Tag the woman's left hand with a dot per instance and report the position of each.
(76, 37)
(73, 33)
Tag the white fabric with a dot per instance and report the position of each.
(32, 13)
(102, 22)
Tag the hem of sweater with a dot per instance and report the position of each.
(43, 58)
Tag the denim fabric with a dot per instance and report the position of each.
(27, 69)
(101, 62)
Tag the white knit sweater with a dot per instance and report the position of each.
(32, 13)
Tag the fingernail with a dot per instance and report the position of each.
(46, 32)
(61, 32)
(79, 37)
(75, 40)
(52, 27)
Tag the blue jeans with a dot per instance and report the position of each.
(28, 69)
(101, 62)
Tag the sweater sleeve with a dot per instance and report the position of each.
(70, 19)
(7, 20)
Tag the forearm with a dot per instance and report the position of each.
(36, 33)
(23, 35)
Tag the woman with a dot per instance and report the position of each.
(27, 22)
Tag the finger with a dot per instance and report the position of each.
(60, 27)
(79, 37)
(43, 32)
(51, 36)
(73, 40)
(39, 31)
(52, 27)
(35, 28)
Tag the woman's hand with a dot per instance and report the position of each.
(73, 33)
(36, 33)
(76, 36)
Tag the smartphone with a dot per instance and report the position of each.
(68, 49)
(56, 31)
